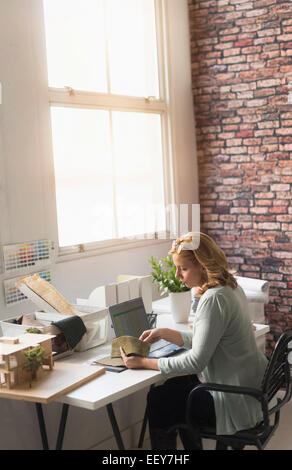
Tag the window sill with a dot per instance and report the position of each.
(107, 247)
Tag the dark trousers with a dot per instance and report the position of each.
(166, 404)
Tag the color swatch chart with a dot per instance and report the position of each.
(14, 295)
(26, 254)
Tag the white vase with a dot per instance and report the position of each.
(180, 305)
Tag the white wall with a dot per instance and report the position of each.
(27, 197)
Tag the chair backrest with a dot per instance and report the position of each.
(277, 375)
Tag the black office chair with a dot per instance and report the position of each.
(277, 377)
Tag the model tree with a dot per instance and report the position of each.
(35, 358)
(35, 331)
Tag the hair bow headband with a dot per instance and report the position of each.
(192, 245)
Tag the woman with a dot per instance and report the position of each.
(221, 347)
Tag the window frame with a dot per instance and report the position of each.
(69, 97)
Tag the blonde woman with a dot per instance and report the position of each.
(221, 347)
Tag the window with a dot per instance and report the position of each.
(109, 119)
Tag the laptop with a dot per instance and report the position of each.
(130, 318)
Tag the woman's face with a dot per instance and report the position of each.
(189, 273)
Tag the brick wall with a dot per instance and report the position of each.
(242, 66)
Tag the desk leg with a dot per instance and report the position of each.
(115, 427)
(62, 427)
(144, 425)
(143, 430)
(42, 426)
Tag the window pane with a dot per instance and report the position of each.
(132, 47)
(75, 44)
(139, 174)
(83, 172)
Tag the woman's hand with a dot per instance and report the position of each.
(132, 362)
(151, 336)
(137, 362)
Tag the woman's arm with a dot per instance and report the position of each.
(151, 336)
(137, 362)
(210, 324)
(173, 336)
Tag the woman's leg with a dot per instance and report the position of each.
(166, 406)
(202, 415)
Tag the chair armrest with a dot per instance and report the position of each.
(228, 389)
(253, 392)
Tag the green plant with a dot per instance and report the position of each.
(164, 276)
(33, 330)
(35, 358)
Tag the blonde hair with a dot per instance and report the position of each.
(215, 269)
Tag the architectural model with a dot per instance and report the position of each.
(13, 361)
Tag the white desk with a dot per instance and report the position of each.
(112, 386)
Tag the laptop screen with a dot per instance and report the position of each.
(129, 318)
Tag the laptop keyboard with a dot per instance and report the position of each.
(159, 344)
(166, 351)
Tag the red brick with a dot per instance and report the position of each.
(279, 61)
(269, 83)
(245, 95)
(285, 37)
(284, 218)
(231, 51)
(286, 45)
(272, 55)
(285, 163)
(269, 32)
(256, 103)
(284, 131)
(251, 142)
(229, 31)
(258, 74)
(234, 59)
(264, 92)
(286, 123)
(256, 12)
(266, 40)
(243, 87)
(264, 132)
(268, 226)
(286, 68)
(282, 254)
(245, 134)
(244, 43)
(259, 210)
(287, 179)
(267, 195)
(238, 67)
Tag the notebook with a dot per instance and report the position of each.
(130, 319)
